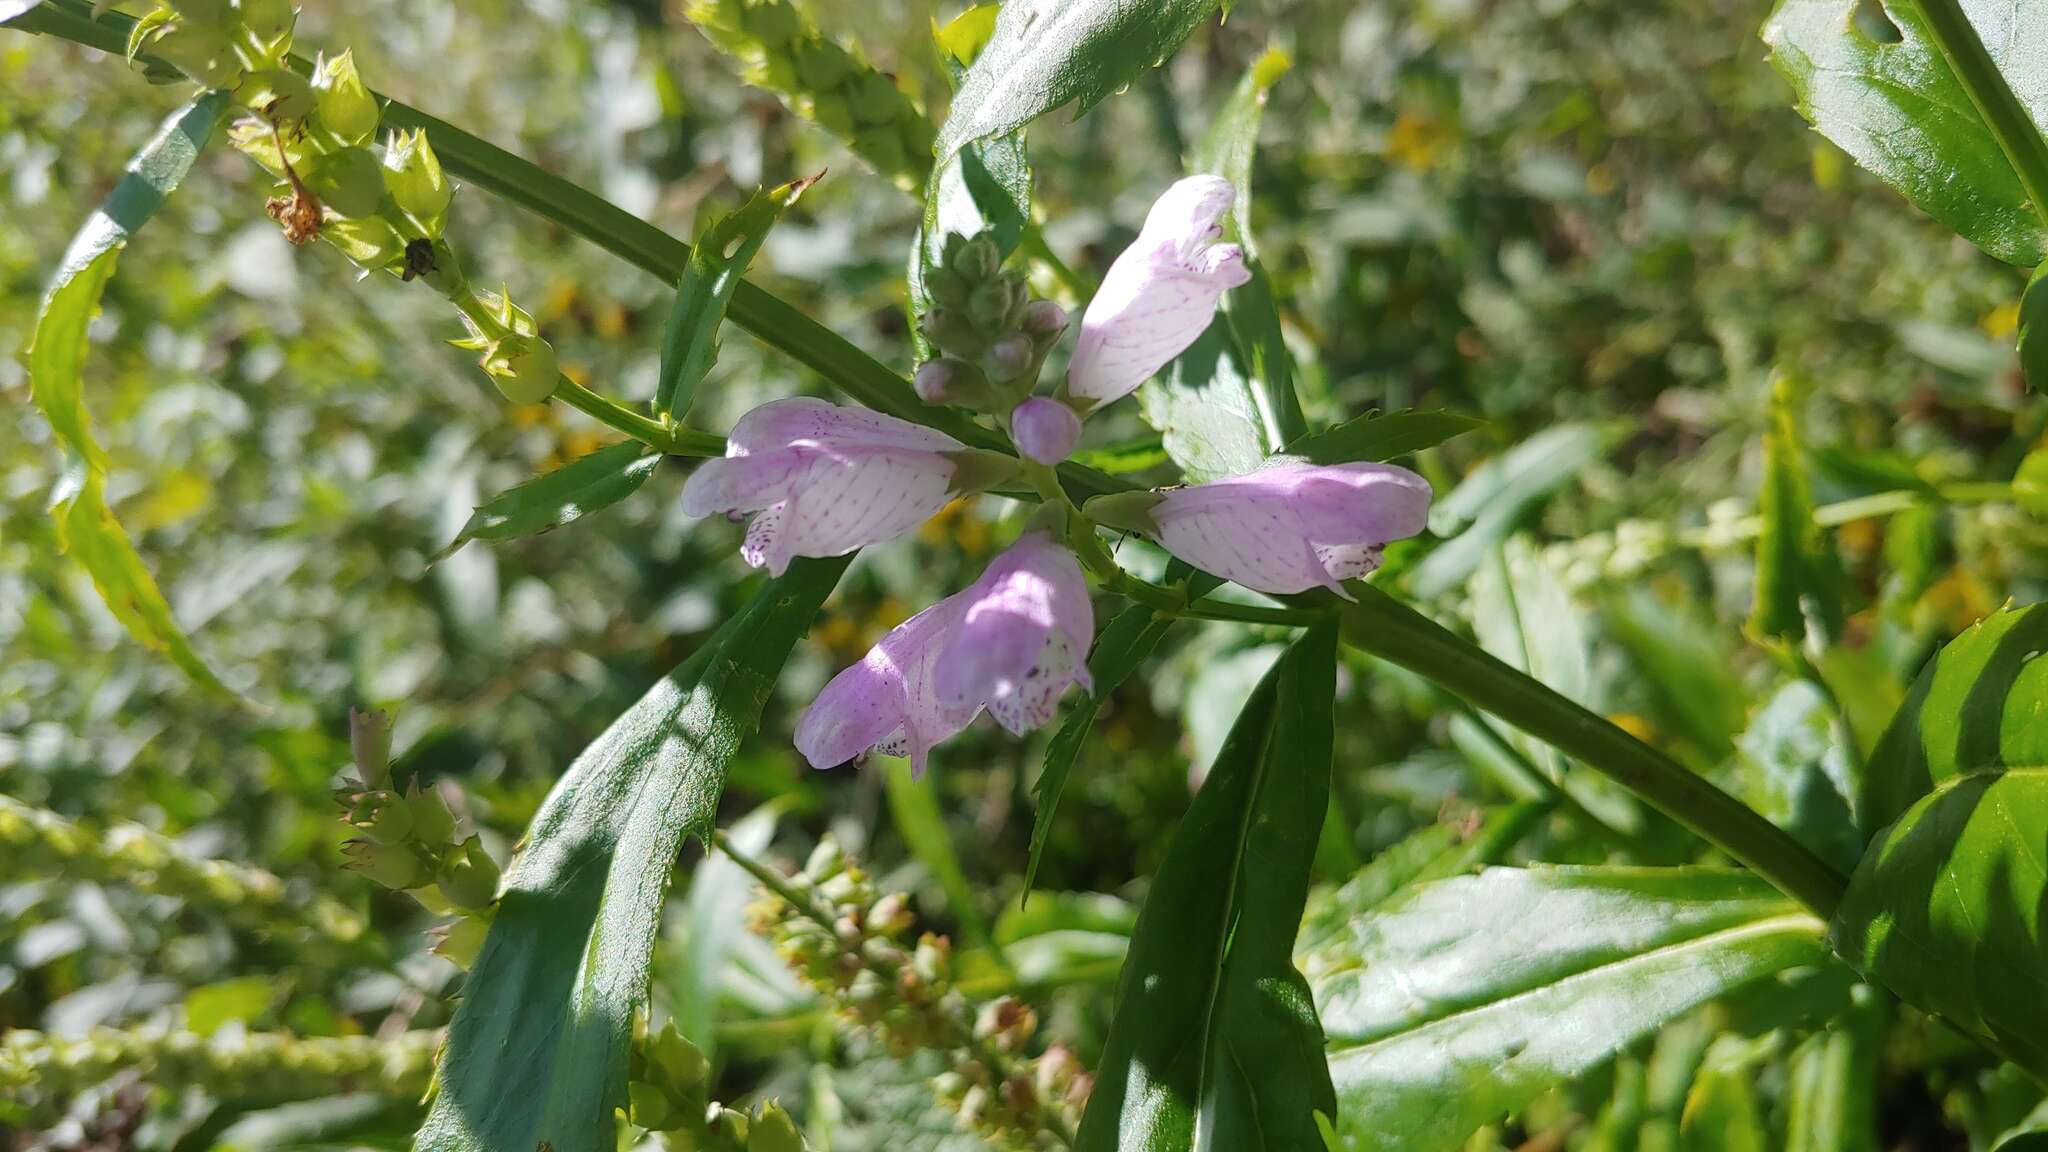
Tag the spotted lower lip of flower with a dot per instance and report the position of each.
(1158, 296)
(1010, 643)
(823, 480)
(1286, 528)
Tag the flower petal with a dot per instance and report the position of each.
(861, 707)
(1361, 503)
(852, 501)
(810, 422)
(767, 543)
(741, 483)
(1248, 538)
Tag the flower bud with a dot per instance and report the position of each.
(945, 286)
(826, 860)
(988, 303)
(950, 330)
(413, 175)
(342, 103)
(892, 915)
(977, 259)
(468, 876)
(933, 959)
(774, 1131)
(1045, 429)
(933, 380)
(1044, 318)
(369, 741)
(384, 816)
(1010, 358)
(348, 181)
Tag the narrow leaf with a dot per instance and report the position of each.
(587, 484)
(1382, 436)
(1045, 54)
(86, 527)
(536, 1054)
(1206, 410)
(724, 248)
(914, 807)
(1797, 577)
(2033, 329)
(1215, 1045)
(1461, 1001)
(1833, 1105)
(1491, 502)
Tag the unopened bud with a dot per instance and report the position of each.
(1008, 1023)
(976, 260)
(1044, 318)
(680, 1064)
(945, 286)
(1045, 429)
(651, 1108)
(1010, 358)
(989, 303)
(825, 860)
(201, 51)
(342, 102)
(934, 380)
(468, 876)
(892, 915)
(370, 241)
(728, 1127)
(933, 959)
(413, 174)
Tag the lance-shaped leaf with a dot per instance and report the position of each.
(1437, 852)
(1461, 1001)
(1382, 436)
(536, 1054)
(1207, 410)
(1797, 575)
(85, 524)
(1833, 1093)
(1899, 108)
(1048, 52)
(1489, 504)
(725, 246)
(575, 490)
(1215, 1044)
(2033, 329)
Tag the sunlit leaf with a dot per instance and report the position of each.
(587, 484)
(724, 248)
(1382, 436)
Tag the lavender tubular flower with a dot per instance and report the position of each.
(825, 480)
(1159, 295)
(1286, 528)
(1011, 643)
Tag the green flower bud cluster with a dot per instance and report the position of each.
(408, 843)
(669, 1093)
(852, 945)
(823, 82)
(40, 1072)
(990, 338)
(384, 206)
(34, 842)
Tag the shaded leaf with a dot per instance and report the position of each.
(1900, 110)
(1978, 705)
(1797, 772)
(1797, 577)
(1833, 1093)
(1046, 54)
(1203, 406)
(1946, 909)
(1461, 1001)
(86, 527)
(1437, 852)
(587, 484)
(1215, 1044)
(2033, 329)
(724, 248)
(1382, 436)
(1490, 503)
(536, 1053)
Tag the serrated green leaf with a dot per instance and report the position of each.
(724, 248)
(587, 484)
(1459, 1002)
(1213, 1021)
(1901, 111)
(86, 527)
(1490, 502)
(1381, 436)
(1977, 706)
(1946, 909)
(1122, 646)
(1046, 54)
(1205, 411)
(1797, 772)
(536, 1053)
(1437, 852)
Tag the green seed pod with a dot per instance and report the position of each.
(395, 866)
(432, 823)
(201, 51)
(875, 98)
(681, 1065)
(822, 65)
(651, 1108)
(270, 22)
(527, 371)
(342, 102)
(383, 816)
(413, 175)
(213, 13)
(281, 95)
(468, 876)
(728, 1128)
(349, 181)
(370, 241)
(773, 22)
(258, 141)
(774, 1131)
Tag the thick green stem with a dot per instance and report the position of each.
(2018, 137)
(1384, 627)
(673, 439)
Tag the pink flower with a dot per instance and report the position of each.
(1045, 430)
(1291, 526)
(1011, 643)
(1159, 295)
(824, 479)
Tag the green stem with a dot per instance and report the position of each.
(1857, 508)
(1380, 625)
(2024, 147)
(673, 439)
